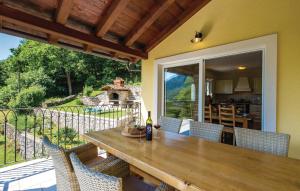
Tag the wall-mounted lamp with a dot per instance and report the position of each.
(242, 67)
(197, 38)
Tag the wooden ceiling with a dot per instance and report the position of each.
(120, 29)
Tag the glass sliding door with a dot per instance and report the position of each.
(181, 91)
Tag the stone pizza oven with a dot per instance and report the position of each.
(117, 92)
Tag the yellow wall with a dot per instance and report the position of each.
(226, 21)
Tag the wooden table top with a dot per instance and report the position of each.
(189, 163)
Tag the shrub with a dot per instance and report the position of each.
(6, 93)
(78, 102)
(91, 81)
(29, 97)
(67, 134)
(87, 90)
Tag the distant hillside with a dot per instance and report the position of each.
(173, 85)
(179, 87)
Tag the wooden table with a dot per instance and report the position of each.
(189, 163)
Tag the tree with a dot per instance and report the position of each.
(59, 71)
(3, 73)
(29, 97)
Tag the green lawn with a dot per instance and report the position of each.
(76, 106)
(95, 93)
(73, 106)
(10, 152)
(74, 102)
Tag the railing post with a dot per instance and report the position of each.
(113, 116)
(5, 134)
(89, 120)
(65, 137)
(51, 125)
(34, 131)
(16, 131)
(58, 130)
(25, 144)
(43, 129)
(78, 128)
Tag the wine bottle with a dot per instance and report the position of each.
(149, 127)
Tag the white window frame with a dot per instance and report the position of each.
(266, 44)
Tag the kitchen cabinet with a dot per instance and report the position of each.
(257, 85)
(223, 87)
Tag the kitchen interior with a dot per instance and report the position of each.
(236, 80)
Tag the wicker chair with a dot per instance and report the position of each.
(170, 124)
(90, 180)
(207, 131)
(65, 176)
(274, 143)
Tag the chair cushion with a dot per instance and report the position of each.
(132, 183)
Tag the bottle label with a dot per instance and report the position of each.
(149, 132)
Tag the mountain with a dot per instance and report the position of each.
(174, 85)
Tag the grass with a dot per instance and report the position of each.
(22, 124)
(74, 102)
(95, 93)
(10, 152)
(75, 107)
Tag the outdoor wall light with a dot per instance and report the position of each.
(242, 67)
(197, 38)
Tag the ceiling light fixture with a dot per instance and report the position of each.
(197, 38)
(242, 67)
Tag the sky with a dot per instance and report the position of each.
(169, 75)
(6, 43)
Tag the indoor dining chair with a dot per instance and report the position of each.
(170, 124)
(227, 118)
(88, 153)
(90, 180)
(208, 113)
(269, 142)
(207, 131)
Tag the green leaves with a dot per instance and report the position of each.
(58, 70)
(29, 97)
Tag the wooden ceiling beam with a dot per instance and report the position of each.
(1, 23)
(63, 11)
(110, 16)
(155, 12)
(87, 48)
(52, 39)
(193, 8)
(56, 29)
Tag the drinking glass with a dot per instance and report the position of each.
(140, 129)
(156, 136)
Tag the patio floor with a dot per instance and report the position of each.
(35, 175)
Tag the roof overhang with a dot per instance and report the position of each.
(123, 29)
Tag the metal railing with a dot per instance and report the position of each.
(184, 109)
(21, 129)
